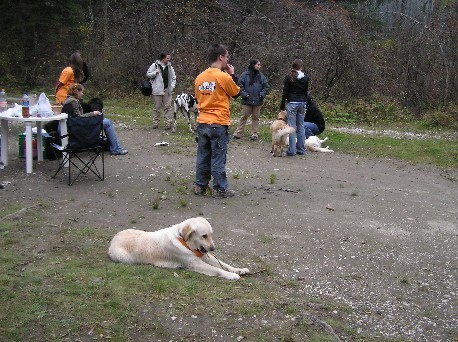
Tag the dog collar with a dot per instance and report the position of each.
(196, 252)
(283, 120)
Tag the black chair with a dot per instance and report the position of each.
(85, 145)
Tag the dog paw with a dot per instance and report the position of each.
(232, 276)
(243, 271)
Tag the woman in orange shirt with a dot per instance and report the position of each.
(76, 72)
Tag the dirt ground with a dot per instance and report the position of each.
(377, 235)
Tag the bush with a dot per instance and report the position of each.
(446, 117)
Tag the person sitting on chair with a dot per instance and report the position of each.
(72, 106)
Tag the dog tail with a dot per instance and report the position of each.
(282, 132)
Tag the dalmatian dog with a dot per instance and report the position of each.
(185, 103)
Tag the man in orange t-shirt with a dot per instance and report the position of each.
(213, 88)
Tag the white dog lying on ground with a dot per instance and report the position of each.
(184, 245)
(313, 144)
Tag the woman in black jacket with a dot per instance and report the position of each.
(295, 89)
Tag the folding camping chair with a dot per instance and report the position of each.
(85, 145)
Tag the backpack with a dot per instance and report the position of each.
(146, 88)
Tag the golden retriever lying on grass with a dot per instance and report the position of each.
(184, 245)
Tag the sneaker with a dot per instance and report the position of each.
(155, 126)
(119, 153)
(219, 193)
(254, 137)
(235, 136)
(167, 127)
(199, 190)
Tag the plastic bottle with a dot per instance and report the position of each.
(25, 105)
(3, 102)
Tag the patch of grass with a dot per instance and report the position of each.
(155, 203)
(183, 202)
(267, 238)
(181, 189)
(272, 178)
(136, 111)
(439, 152)
(405, 280)
(71, 290)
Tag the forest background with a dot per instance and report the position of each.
(402, 52)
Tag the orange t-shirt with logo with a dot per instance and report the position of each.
(213, 89)
(67, 78)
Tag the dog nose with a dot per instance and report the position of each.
(212, 248)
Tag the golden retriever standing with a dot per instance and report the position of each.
(184, 245)
(313, 144)
(280, 131)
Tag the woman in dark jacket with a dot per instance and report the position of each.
(253, 88)
(295, 89)
(314, 123)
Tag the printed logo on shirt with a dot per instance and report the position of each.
(207, 87)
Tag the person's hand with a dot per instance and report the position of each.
(230, 69)
(96, 112)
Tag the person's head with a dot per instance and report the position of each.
(254, 65)
(76, 59)
(96, 104)
(297, 64)
(295, 67)
(165, 57)
(76, 90)
(218, 54)
(76, 62)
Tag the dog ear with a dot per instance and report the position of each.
(186, 232)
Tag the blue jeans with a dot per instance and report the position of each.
(111, 136)
(311, 129)
(296, 113)
(212, 144)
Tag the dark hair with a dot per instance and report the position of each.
(297, 65)
(215, 51)
(254, 74)
(76, 62)
(96, 104)
(163, 54)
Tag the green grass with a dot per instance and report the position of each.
(68, 289)
(137, 111)
(431, 151)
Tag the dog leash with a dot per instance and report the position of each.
(196, 252)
